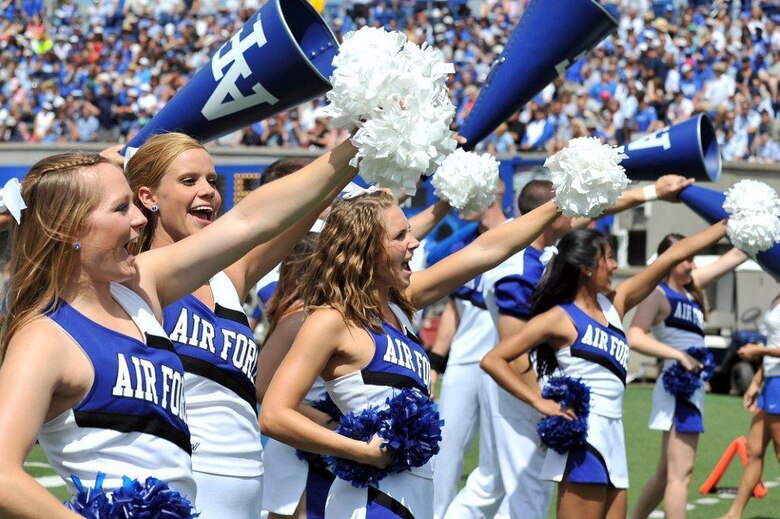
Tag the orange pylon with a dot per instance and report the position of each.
(739, 447)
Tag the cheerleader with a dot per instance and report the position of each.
(174, 182)
(762, 399)
(675, 312)
(288, 477)
(87, 369)
(576, 327)
(361, 292)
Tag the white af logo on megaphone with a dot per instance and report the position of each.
(659, 139)
(217, 106)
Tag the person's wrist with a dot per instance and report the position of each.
(438, 362)
(650, 193)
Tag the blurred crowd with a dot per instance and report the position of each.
(97, 71)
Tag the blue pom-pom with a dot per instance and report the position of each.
(562, 435)
(362, 426)
(557, 432)
(151, 500)
(329, 407)
(683, 383)
(90, 502)
(411, 428)
(154, 500)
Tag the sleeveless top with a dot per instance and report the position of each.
(219, 354)
(772, 324)
(399, 361)
(683, 327)
(599, 356)
(132, 421)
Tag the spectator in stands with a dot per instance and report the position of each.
(128, 58)
(538, 131)
(718, 91)
(765, 149)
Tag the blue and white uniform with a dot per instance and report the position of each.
(133, 420)
(769, 400)
(219, 355)
(459, 398)
(599, 356)
(682, 329)
(264, 289)
(511, 460)
(399, 362)
(286, 475)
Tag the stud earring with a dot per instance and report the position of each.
(77, 246)
(154, 208)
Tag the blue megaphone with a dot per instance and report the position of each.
(550, 37)
(689, 148)
(280, 58)
(708, 203)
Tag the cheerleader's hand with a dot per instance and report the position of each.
(668, 187)
(376, 455)
(690, 363)
(750, 351)
(114, 154)
(552, 408)
(750, 398)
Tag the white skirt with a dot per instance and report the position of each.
(285, 478)
(605, 436)
(228, 496)
(665, 403)
(402, 496)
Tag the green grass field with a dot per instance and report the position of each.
(724, 421)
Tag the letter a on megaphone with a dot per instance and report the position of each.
(708, 203)
(689, 149)
(280, 58)
(550, 37)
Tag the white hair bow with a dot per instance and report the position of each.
(353, 190)
(11, 200)
(547, 254)
(318, 225)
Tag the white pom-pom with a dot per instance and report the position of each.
(754, 232)
(396, 94)
(587, 177)
(750, 196)
(467, 180)
(753, 209)
(364, 68)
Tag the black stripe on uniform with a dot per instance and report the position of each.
(377, 496)
(221, 377)
(685, 326)
(382, 378)
(153, 425)
(601, 361)
(231, 315)
(160, 343)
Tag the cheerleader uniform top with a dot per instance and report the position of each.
(399, 362)
(599, 356)
(219, 355)
(476, 333)
(132, 422)
(683, 327)
(772, 324)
